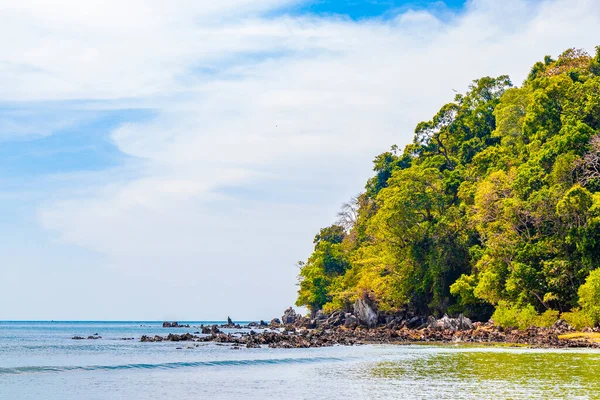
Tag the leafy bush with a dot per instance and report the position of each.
(577, 319)
(546, 319)
(589, 296)
(513, 316)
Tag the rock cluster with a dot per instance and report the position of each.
(366, 325)
(90, 337)
(174, 325)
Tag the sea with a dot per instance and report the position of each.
(40, 360)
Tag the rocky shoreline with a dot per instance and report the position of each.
(365, 327)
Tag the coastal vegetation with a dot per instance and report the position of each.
(493, 210)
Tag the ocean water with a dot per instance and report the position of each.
(39, 360)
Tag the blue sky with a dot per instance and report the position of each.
(196, 148)
(362, 9)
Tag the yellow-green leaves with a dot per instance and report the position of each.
(589, 296)
(496, 202)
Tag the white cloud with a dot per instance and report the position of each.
(263, 125)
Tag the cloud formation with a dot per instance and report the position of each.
(262, 126)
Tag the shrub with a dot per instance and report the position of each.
(546, 319)
(589, 296)
(577, 319)
(513, 316)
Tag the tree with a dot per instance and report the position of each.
(494, 204)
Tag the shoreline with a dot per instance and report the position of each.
(290, 336)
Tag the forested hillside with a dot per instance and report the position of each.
(494, 206)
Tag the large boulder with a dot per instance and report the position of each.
(366, 312)
(289, 317)
(275, 322)
(461, 323)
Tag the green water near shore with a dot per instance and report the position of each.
(502, 373)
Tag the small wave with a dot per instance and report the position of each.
(173, 365)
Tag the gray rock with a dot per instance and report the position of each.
(414, 322)
(461, 323)
(336, 319)
(289, 316)
(366, 312)
(350, 321)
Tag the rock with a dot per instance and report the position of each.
(366, 312)
(305, 322)
(289, 316)
(173, 325)
(94, 337)
(263, 324)
(561, 326)
(77, 338)
(414, 322)
(464, 323)
(209, 330)
(275, 322)
(351, 321)
(151, 339)
(451, 324)
(393, 322)
(229, 322)
(337, 318)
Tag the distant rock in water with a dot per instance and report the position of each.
(289, 317)
(229, 321)
(173, 325)
(91, 337)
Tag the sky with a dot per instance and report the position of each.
(174, 159)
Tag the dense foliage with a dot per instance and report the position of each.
(495, 205)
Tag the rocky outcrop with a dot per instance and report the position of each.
(366, 312)
(289, 317)
(351, 334)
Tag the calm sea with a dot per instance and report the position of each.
(39, 360)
